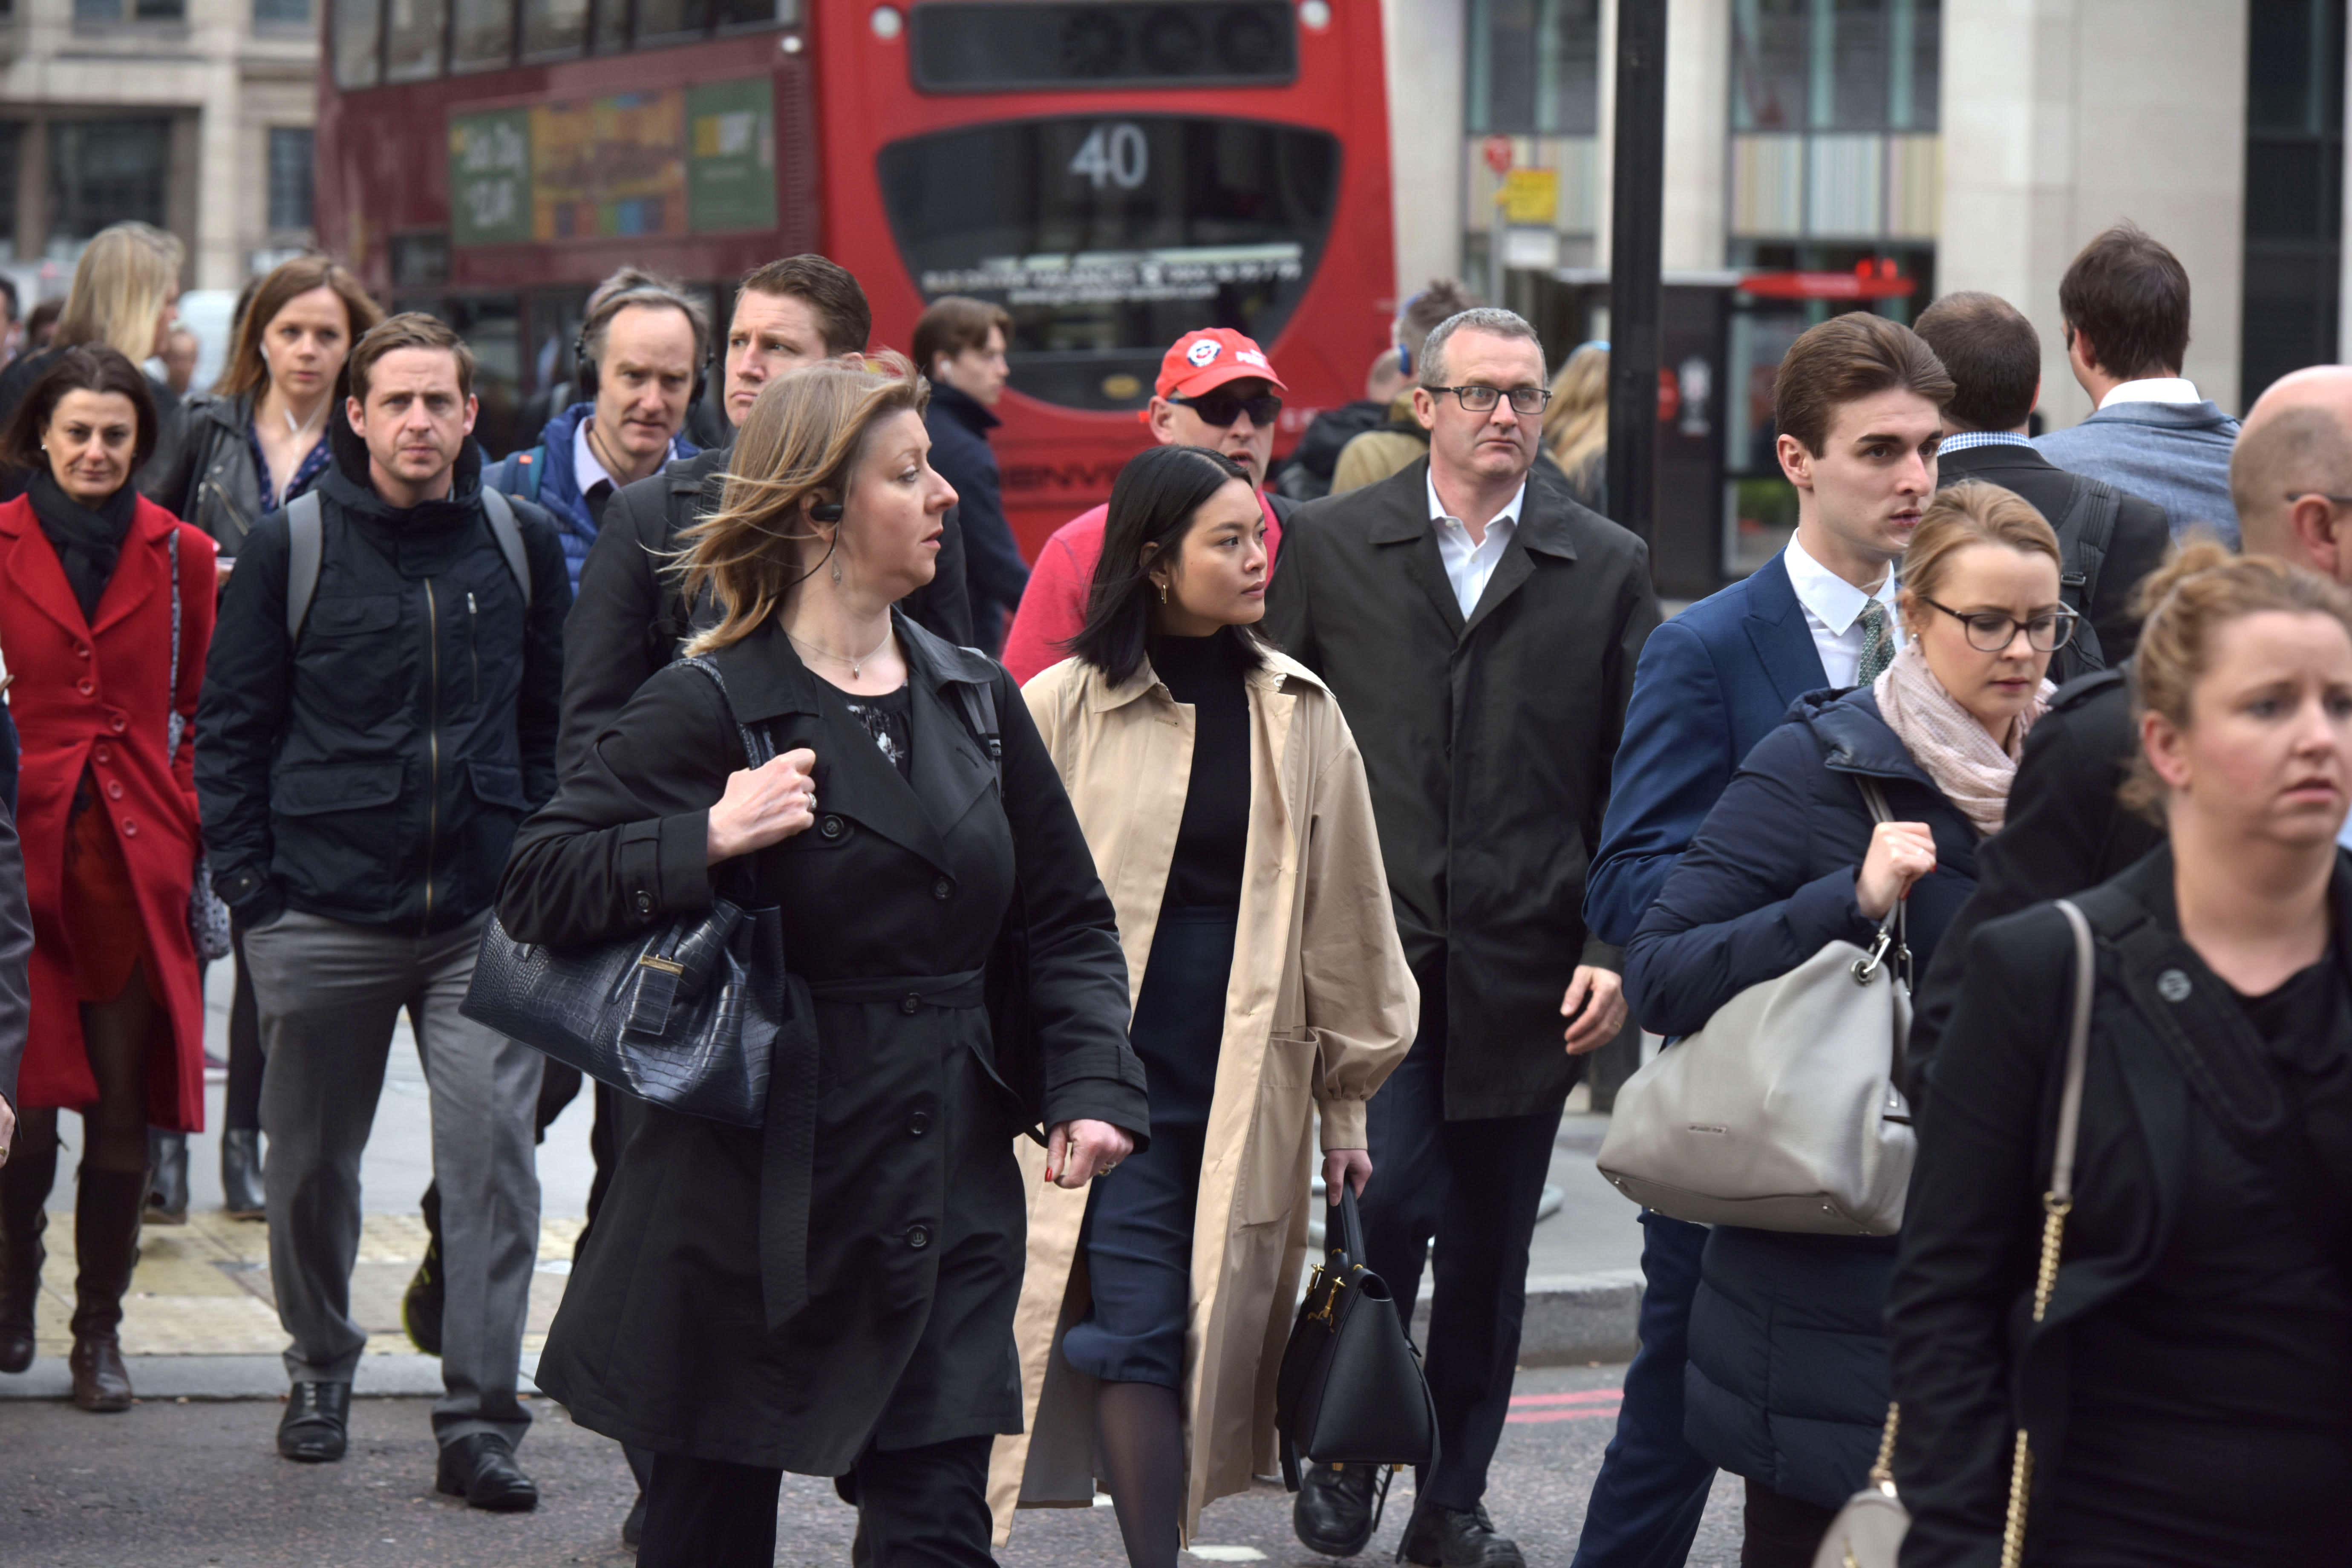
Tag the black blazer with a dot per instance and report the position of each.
(891, 907)
(2169, 1048)
(1488, 743)
(2135, 548)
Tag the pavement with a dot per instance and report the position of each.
(174, 1485)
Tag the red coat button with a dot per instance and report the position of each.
(86, 686)
(103, 755)
(81, 653)
(114, 789)
(129, 829)
(118, 723)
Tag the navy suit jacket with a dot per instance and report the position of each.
(1711, 683)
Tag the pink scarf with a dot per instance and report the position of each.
(1970, 767)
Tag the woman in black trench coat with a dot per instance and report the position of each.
(883, 833)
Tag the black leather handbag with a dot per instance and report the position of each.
(686, 1015)
(1350, 1391)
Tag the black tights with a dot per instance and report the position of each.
(1141, 1433)
(114, 1037)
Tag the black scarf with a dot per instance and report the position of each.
(87, 541)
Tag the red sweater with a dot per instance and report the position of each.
(1054, 606)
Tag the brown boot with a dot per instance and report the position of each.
(107, 1210)
(25, 1184)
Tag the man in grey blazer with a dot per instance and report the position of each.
(2124, 303)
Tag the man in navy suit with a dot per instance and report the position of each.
(1858, 405)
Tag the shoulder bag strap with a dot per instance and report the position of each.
(757, 751)
(1897, 921)
(500, 512)
(175, 725)
(978, 700)
(305, 531)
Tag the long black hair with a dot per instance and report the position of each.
(1154, 501)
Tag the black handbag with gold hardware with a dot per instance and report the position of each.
(1350, 1391)
(686, 1015)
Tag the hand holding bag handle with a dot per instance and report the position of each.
(1868, 1532)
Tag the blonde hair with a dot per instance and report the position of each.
(248, 371)
(1972, 512)
(1576, 425)
(127, 275)
(800, 443)
(2186, 602)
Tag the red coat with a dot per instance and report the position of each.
(94, 700)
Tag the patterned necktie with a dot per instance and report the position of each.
(1877, 642)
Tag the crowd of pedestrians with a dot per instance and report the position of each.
(1324, 818)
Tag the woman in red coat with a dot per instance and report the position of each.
(107, 817)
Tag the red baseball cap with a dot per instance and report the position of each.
(1202, 361)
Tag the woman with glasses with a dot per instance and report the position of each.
(1788, 1347)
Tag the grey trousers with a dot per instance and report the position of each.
(328, 995)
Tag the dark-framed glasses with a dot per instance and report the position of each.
(1992, 631)
(1222, 408)
(1482, 399)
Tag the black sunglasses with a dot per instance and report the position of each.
(1222, 408)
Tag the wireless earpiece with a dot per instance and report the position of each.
(825, 511)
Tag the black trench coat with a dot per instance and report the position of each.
(891, 906)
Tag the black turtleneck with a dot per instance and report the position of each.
(89, 540)
(1209, 674)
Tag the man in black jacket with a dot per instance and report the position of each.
(379, 715)
(628, 622)
(2111, 538)
(1481, 630)
(2290, 478)
(960, 344)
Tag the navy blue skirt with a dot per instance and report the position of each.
(1138, 1238)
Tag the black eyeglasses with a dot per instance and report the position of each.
(1989, 631)
(1482, 399)
(1222, 408)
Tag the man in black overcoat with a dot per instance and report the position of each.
(1481, 629)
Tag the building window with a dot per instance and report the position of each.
(289, 176)
(281, 13)
(11, 149)
(1535, 67)
(1834, 65)
(483, 38)
(358, 42)
(2295, 183)
(106, 171)
(106, 12)
(413, 44)
(553, 28)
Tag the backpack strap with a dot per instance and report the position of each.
(978, 700)
(509, 536)
(2084, 534)
(305, 532)
(517, 473)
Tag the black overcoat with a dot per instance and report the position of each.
(2179, 1098)
(1488, 743)
(891, 906)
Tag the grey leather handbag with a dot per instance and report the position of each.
(686, 1015)
(1783, 1113)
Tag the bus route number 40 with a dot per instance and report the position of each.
(1114, 154)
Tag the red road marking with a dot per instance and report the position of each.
(1535, 1417)
(1590, 1404)
(1587, 1396)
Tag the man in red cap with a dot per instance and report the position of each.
(1215, 389)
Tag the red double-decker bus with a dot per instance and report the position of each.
(1114, 173)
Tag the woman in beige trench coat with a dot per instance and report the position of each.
(1222, 797)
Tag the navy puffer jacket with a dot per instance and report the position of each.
(1787, 1372)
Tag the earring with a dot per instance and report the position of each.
(837, 571)
(1164, 593)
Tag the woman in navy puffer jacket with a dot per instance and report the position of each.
(1787, 1379)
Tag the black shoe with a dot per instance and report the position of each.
(167, 1174)
(1334, 1514)
(481, 1470)
(633, 1528)
(318, 1416)
(241, 1191)
(1442, 1537)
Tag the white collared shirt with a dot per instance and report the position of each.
(586, 471)
(2152, 389)
(1832, 609)
(1469, 565)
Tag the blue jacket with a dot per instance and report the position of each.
(993, 569)
(2174, 454)
(1712, 682)
(1788, 1372)
(544, 474)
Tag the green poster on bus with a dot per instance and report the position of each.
(489, 177)
(731, 138)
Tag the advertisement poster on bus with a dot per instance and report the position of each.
(701, 161)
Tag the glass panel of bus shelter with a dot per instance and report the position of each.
(553, 28)
(357, 57)
(666, 21)
(1109, 237)
(413, 50)
(483, 38)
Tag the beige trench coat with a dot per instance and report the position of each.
(1319, 1009)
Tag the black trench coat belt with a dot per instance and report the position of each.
(788, 1148)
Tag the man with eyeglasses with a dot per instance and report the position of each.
(1481, 629)
(1215, 389)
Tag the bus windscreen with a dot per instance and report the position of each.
(1108, 238)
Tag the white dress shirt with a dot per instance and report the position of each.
(1469, 565)
(2152, 389)
(1832, 609)
(586, 471)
